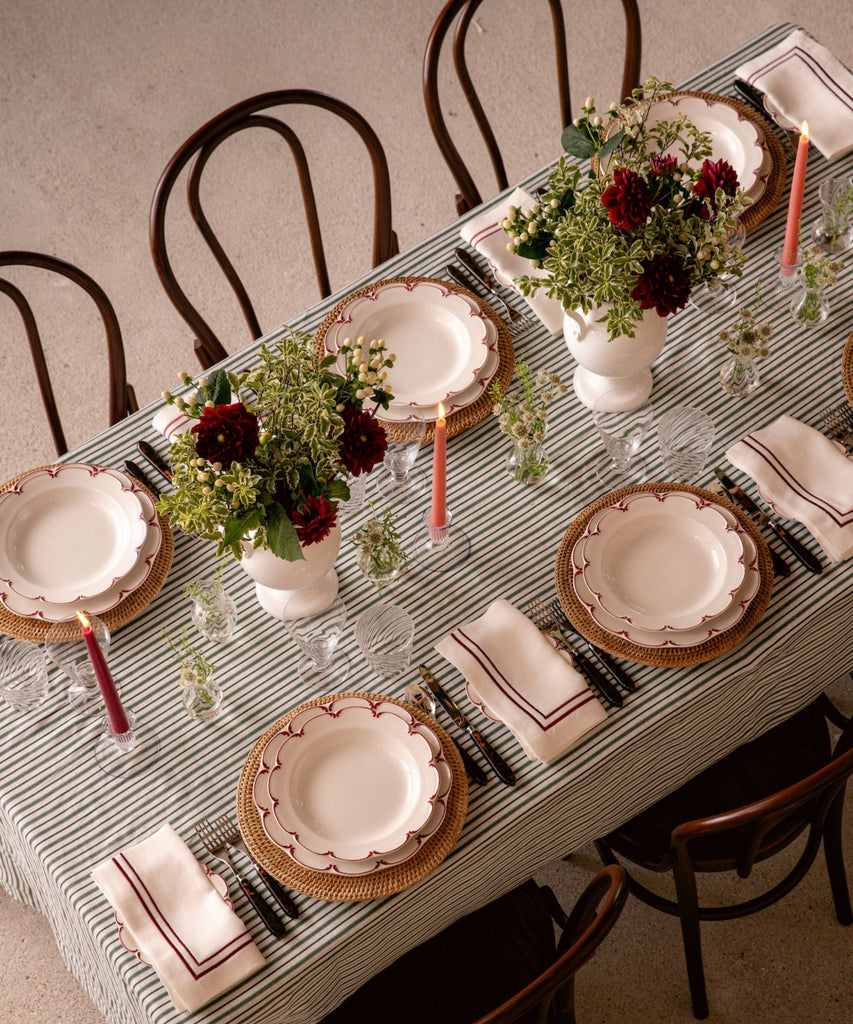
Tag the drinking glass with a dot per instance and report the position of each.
(685, 435)
(384, 634)
(317, 634)
(65, 647)
(23, 674)
(214, 612)
(622, 429)
(397, 480)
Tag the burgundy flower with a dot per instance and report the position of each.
(660, 165)
(315, 520)
(363, 441)
(628, 200)
(664, 285)
(715, 174)
(226, 434)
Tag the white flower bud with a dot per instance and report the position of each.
(596, 120)
(203, 382)
(217, 466)
(207, 490)
(209, 405)
(590, 101)
(165, 395)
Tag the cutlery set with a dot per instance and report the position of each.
(220, 836)
(472, 273)
(838, 421)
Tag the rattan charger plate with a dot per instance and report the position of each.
(336, 888)
(664, 656)
(472, 414)
(125, 610)
(847, 368)
(767, 202)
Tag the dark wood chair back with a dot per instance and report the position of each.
(469, 195)
(253, 113)
(122, 399)
(736, 838)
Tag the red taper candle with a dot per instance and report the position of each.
(438, 507)
(795, 202)
(115, 712)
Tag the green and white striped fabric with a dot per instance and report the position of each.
(59, 816)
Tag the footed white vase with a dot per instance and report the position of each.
(277, 580)
(622, 363)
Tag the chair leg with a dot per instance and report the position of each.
(688, 912)
(834, 853)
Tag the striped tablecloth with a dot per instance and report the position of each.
(59, 816)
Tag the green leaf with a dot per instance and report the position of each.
(611, 144)
(281, 535)
(219, 388)
(338, 490)
(531, 250)
(236, 527)
(576, 144)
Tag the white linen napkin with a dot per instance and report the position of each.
(805, 477)
(521, 679)
(804, 82)
(170, 422)
(485, 234)
(180, 924)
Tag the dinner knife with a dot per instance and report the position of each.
(417, 695)
(594, 676)
(462, 278)
(500, 767)
(602, 657)
(151, 454)
(797, 549)
(139, 475)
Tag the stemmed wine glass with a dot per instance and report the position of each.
(64, 646)
(623, 417)
(398, 480)
(317, 633)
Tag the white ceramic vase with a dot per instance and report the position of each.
(312, 578)
(622, 363)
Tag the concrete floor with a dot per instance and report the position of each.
(95, 97)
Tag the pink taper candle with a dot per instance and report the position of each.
(795, 203)
(438, 508)
(115, 712)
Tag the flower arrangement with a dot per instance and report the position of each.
(817, 272)
(273, 446)
(650, 221)
(381, 557)
(523, 416)
(747, 339)
(201, 695)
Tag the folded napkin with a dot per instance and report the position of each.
(179, 922)
(170, 422)
(804, 82)
(805, 476)
(520, 678)
(485, 234)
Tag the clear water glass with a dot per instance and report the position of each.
(317, 634)
(385, 634)
(623, 417)
(685, 436)
(397, 478)
(23, 674)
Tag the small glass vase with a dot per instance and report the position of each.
(833, 233)
(202, 700)
(528, 463)
(810, 306)
(739, 376)
(380, 577)
(214, 612)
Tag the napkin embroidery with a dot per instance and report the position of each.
(797, 52)
(185, 955)
(545, 720)
(485, 232)
(841, 517)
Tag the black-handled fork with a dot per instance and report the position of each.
(229, 832)
(218, 850)
(602, 657)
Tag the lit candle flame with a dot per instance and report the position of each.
(804, 131)
(84, 622)
(441, 414)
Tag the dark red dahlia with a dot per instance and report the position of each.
(660, 165)
(314, 519)
(628, 200)
(715, 174)
(363, 441)
(226, 434)
(664, 285)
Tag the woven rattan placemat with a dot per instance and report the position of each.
(125, 610)
(337, 887)
(672, 656)
(847, 368)
(767, 202)
(471, 414)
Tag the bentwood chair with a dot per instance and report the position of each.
(743, 810)
(497, 965)
(122, 399)
(259, 113)
(462, 12)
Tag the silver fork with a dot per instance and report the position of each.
(546, 622)
(218, 850)
(838, 421)
(602, 657)
(229, 833)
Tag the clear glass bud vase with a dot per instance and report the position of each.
(739, 376)
(527, 462)
(201, 697)
(810, 306)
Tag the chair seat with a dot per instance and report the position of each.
(775, 760)
(464, 972)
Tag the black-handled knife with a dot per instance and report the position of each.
(140, 476)
(155, 459)
(797, 549)
(280, 894)
(594, 676)
(609, 665)
(273, 922)
(500, 767)
(470, 262)
(461, 277)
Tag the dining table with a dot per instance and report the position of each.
(60, 815)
